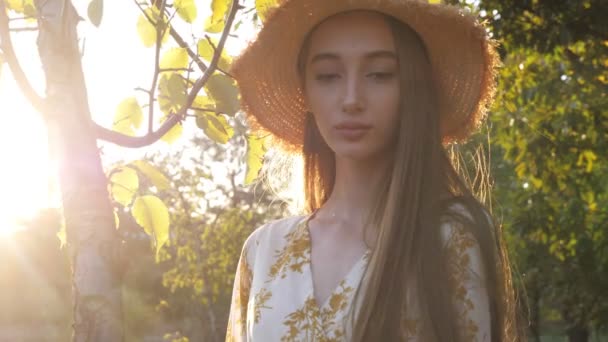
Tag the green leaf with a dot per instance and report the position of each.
(263, 7)
(212, 27)
(171, 92)
(255, 157)
(536, 182)
(224, 92)
(589, 157)
(153, 216)
(173, 134)
(155, 176)
(25, 7)
(521, 170)
(206, 50)
(128, 116)
(147, 30)
(95, 11)
(215, 23)
(15, 5)
(203, 102)
(589, 198)
(186, 9)
(175, 58)
(124, 184)
(216, 127)
(29, 8)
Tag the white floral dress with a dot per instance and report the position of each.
(273, 296)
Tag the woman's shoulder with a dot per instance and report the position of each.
(465, 206)
(461, 214)
(461, 223)
(273, 233)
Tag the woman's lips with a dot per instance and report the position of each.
(352, 130)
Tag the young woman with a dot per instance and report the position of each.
(393, 246)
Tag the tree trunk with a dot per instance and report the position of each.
(534, 298)
(576, 331)
(578, 334)
(91, 235)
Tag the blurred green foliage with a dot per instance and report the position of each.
(548, 138)
(549, 141)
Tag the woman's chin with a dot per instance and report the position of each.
(358, 151)
(355, 152)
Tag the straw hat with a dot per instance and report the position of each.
(462, 56)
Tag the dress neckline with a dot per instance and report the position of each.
(347, 276)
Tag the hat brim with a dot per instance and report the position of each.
(463, 59)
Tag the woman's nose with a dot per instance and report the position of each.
(353, 97)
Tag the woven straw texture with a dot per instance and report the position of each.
(463, 59)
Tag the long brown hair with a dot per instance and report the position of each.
(420, 183)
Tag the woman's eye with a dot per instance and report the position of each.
(326, 77)
(381, 75)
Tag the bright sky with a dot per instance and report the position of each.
(115, 62)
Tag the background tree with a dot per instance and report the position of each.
(550, 137)
(213, 216)
(94, 246)
(547, 135)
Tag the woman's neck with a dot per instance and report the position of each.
(354, 189)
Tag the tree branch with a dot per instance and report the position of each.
(142, 89)
(207, 110)
(173, 119)
(159, 37)
(194, 55)
(23, 29)
(6, 45)
(182, 43)
(136, 142)
(198, 85)
(20, 18)
(175, 69)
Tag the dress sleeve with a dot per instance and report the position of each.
(237, 320)
(466, 269)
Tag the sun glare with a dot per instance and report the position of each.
(7, 228)
(26, 184)
(24, 166)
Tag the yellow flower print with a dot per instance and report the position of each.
(294, 255)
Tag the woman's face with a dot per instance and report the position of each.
(352, 84)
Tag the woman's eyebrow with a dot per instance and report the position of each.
(370, 55)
